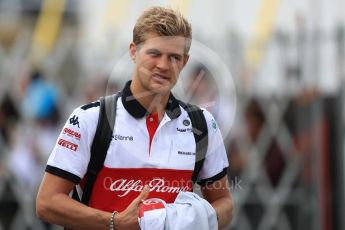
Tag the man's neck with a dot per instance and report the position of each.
(152, 102)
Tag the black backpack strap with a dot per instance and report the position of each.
(101, 142)
(200, 132)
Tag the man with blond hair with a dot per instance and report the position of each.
(152, 149)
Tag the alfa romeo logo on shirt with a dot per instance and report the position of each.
(186, 122)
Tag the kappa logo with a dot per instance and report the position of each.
(68, 145)
(74, 120)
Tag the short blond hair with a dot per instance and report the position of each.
(164, 22)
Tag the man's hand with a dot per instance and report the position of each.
(128, 219)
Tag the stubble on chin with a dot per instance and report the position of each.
(161, 90)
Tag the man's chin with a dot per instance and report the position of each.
(161, 89)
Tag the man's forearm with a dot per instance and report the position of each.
(63, 210)
(224, 208)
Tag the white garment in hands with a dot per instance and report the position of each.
(189, 211)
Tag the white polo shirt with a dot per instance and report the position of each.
(165, 161)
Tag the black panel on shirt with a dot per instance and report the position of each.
(209, 181)
(134, 108)
(62, 173)
(90, 105)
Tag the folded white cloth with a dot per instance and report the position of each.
(189, 211)
(152, 214)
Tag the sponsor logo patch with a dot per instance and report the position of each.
(185, 153)
(74, 120)
(116, 188)
(186, 122)
(159, 185)
(118, 137)
(68, 145)
(214, 125)
(72, 133)
(184, 130)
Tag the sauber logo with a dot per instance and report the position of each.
(68, 145)
(184, 130)
(72, 133)
(158, 185)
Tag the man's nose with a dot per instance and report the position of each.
(163, 63)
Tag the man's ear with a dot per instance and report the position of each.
(185, 59)
(132, 51)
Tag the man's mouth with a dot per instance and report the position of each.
(160, 77)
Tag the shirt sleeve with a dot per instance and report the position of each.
(216, 161)
(71, 154)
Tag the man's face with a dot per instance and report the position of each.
(158, 62)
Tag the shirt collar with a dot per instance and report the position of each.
(134, 108)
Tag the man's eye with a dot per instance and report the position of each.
(175, 58)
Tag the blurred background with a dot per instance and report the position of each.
(284, 103)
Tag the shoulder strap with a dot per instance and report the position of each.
(101, 141)
(200, 132)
